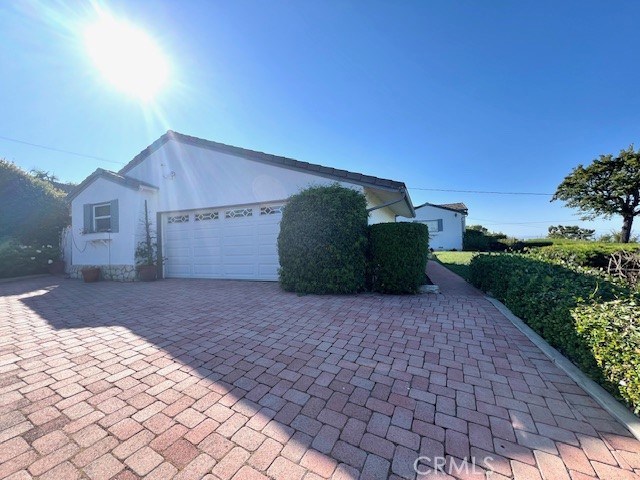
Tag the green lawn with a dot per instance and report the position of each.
(457, 262)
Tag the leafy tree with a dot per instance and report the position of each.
(571, 232)
(43, 175)
(33, 211)
(608, 186)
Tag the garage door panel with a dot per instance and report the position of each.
(268, 250)
(207, 270)
(207, 251)
(239, 271)
(208, 234)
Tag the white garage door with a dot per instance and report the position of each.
(231, 242)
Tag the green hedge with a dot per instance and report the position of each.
(546, 296)
(612, 331)
(398, 256)
(584, 254)
(519, 246)
(477, 241)
(33, 212)
(322, 241)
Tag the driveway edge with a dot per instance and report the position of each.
(599, 394)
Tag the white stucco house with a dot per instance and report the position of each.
(216, 209)
(446, 223)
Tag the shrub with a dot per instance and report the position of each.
(479, 241)
(546, 295)
(585, 254)
(612, 331)
(322, 241)
(398, 256)
(33, 212)
(475, 241)
(17, 259)
(520, 246)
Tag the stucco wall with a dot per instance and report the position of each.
(192, 177)
(450, 237)
(380, 215)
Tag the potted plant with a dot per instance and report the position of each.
(90, 274)
(147, 251)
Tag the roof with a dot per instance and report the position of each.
(334, 173)
(454, 207)
(112, 177)
(459, 206)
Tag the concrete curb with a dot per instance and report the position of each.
(599, 394)
(26, 277)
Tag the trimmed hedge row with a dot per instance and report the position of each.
(547, 296)
(587, 254)
(612, 331)
(398, 256)
(325, 246)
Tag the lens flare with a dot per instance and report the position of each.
(126, 57)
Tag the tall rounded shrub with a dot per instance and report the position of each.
(398, 256)
(322, 241)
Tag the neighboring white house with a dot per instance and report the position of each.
(446, 224)
(216, 208)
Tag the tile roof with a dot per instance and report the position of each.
(456, 207)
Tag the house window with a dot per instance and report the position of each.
(102, 217)
(202, 217)
(238, 213)
(178, 219)
(433, 225)
(272, 210)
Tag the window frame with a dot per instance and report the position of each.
(95, 219)
(439, 222)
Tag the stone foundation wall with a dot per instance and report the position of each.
(117, 273)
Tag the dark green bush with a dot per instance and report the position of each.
(322, 241)
(612, 331)
(546, 295)
(17, 259)
(475, 241)
(479, 241)
(398, 256)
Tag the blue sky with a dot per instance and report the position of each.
(450, 95)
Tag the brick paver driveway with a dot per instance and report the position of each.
(193, 379)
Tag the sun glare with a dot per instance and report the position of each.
(127, 57)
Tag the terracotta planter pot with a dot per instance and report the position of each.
(90, 274)
(147, 273)
(56, 268)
